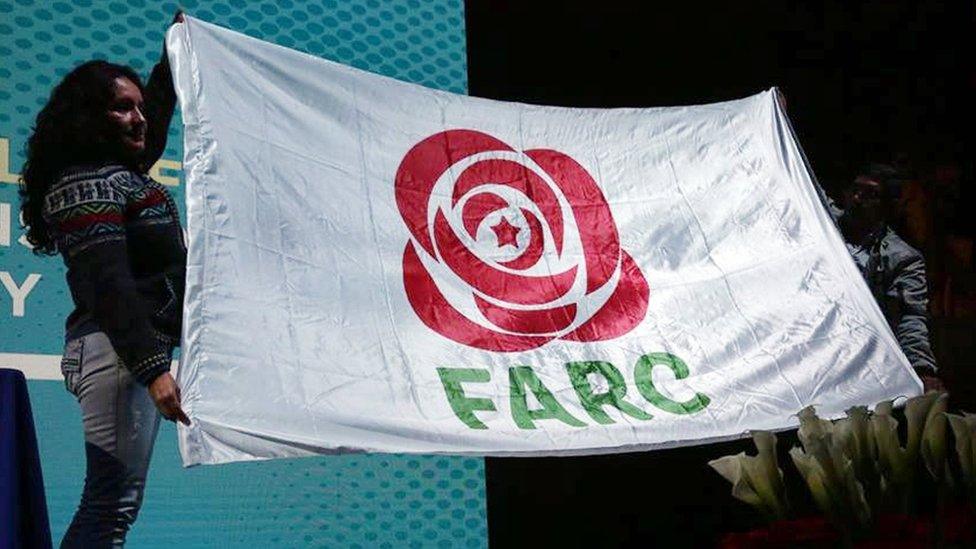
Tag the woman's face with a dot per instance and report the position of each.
(127, 125)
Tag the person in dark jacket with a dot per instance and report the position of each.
(85, 195)
(894, 271)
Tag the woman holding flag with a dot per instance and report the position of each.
(86, 195)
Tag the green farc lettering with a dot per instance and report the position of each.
(464, 406)
(524, 380)
(592, 402)
(642, 377)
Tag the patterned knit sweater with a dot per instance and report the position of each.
(120, 236)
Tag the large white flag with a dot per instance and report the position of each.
(377, 266)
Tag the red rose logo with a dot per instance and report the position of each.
(512, 250)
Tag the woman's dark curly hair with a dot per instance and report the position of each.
(70, 130)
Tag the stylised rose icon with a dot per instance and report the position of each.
(511, 250)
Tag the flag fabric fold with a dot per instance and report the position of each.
(377, 266)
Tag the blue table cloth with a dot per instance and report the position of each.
(23, 509)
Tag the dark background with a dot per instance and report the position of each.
(864, 80)
(885, 81)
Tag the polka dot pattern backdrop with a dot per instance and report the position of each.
(413, 40)
(338, 501)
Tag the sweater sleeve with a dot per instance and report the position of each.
(159, 102)
(88, 218)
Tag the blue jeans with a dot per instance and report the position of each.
(120, 421)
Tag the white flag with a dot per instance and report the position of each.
(377, 266)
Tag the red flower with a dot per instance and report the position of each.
(565, 276)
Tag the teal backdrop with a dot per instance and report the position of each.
(348, 501)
